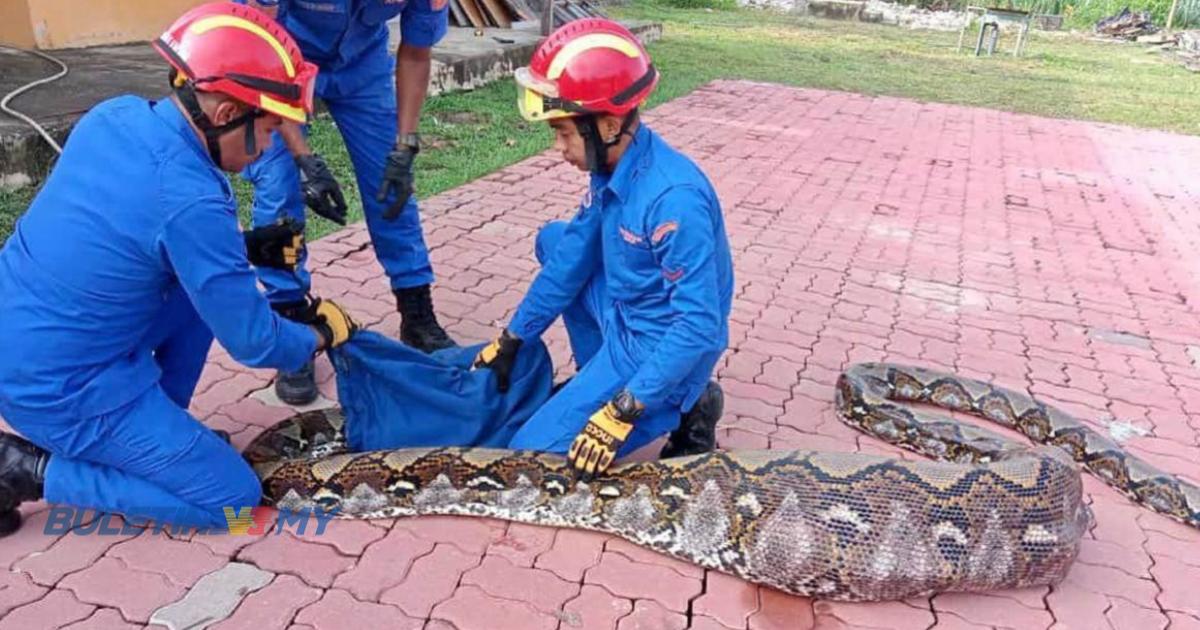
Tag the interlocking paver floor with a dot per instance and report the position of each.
(1049, 255)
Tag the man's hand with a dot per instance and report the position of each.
(321, 191)
(278, 245)
(331, 322)
(596, 446)
(398, 177)
(499, 356)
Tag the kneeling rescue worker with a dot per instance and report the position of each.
(642, 275)
(127, 264)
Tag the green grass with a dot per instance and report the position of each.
(12, 204)
(1085, 13)
(1061, 76)
(471, 134)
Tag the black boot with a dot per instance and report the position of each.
(295, 388)
(697, 432)
(419, 326)
(22, 478)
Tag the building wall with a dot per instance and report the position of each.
(50, 24)
(15, 27)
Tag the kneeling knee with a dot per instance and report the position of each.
(247, 490)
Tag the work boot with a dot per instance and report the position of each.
(22, 478)
(419, 326)
(296, 388)
(697, 432)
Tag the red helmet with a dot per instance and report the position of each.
(588, 66)
(240, 51)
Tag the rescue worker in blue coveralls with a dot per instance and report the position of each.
(127, 264)
(642, 275)
(377, 118)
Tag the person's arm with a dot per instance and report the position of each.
(413, 65)
(421, 27)
(566, 270)
(293, 138)
(564, 273)
(204, 246)
(681, 235)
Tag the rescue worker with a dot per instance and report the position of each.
(642, 274)
(377, 118)
(126, 265)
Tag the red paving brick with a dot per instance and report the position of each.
(539, 588)
(136, 594)
(649, 615)
(595, 607)
(432, 579)
(58, 608)
(103, 619)
(337, 608)
(1047, 254)
(383, 564)
(181, 562)
(271, 607)
(315, 563)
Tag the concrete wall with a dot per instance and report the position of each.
(52, 24)
(15, 26)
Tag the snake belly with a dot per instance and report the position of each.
(988, 514)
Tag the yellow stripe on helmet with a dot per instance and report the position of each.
(586, 43)
(217, 21)
(290, 112)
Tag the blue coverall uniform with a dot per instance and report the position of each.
(643, 279)
(348, 40)
(112, 287)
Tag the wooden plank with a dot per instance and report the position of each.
(473, 13)
(520, 9)
(561, 15)
(460, 16)
(497, 13)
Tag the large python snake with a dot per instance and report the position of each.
(990, 514)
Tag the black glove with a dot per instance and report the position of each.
(277, 245)
(499, 356)
(321, 191)
(398, 177)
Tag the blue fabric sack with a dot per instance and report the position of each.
(395, 396)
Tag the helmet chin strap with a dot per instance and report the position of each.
(596, 147)
(186, 92)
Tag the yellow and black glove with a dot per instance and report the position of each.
(596, 446)
(331, 321)
(499, 356)
(277, 246)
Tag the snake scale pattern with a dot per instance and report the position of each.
(987, 513)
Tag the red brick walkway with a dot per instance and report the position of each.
(1055, 256)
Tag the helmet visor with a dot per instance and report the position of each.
(537, 98)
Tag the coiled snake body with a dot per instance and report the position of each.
(992, 514)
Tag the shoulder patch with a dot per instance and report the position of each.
(663, 230)
(630, 237)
